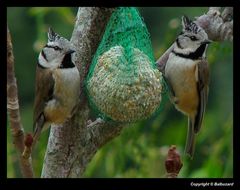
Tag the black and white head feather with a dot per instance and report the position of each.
(56, 53)
(52, 36)
(190, 26)
(192, 41)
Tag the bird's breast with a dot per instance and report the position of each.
(181, 75)
(66, 95)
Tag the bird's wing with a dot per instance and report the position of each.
(43, 92)
(202, 85)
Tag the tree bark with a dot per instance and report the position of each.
(71, 146)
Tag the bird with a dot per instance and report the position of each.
(186, 74)
(57, 84)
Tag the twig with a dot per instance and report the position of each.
(173, 163)
(13, 111)
(28, 147)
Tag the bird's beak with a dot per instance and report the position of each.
(70, 51)
(207, 42)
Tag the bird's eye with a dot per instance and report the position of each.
(193, 38)
(57, 48)
(53, 47)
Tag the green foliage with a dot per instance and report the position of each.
(142, 147)
(41, 14)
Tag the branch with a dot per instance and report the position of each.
(13, 111)
(71, 146)
(218, 27)
(227, 14)
(101, 132)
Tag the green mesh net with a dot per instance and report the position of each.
(123, 83)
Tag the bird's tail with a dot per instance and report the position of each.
(190, 143)
(40, 124)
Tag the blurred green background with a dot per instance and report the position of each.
(142, 147)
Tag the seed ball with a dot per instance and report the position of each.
(124, 89)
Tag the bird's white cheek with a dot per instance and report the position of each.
(50, 64)
(43, 62)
